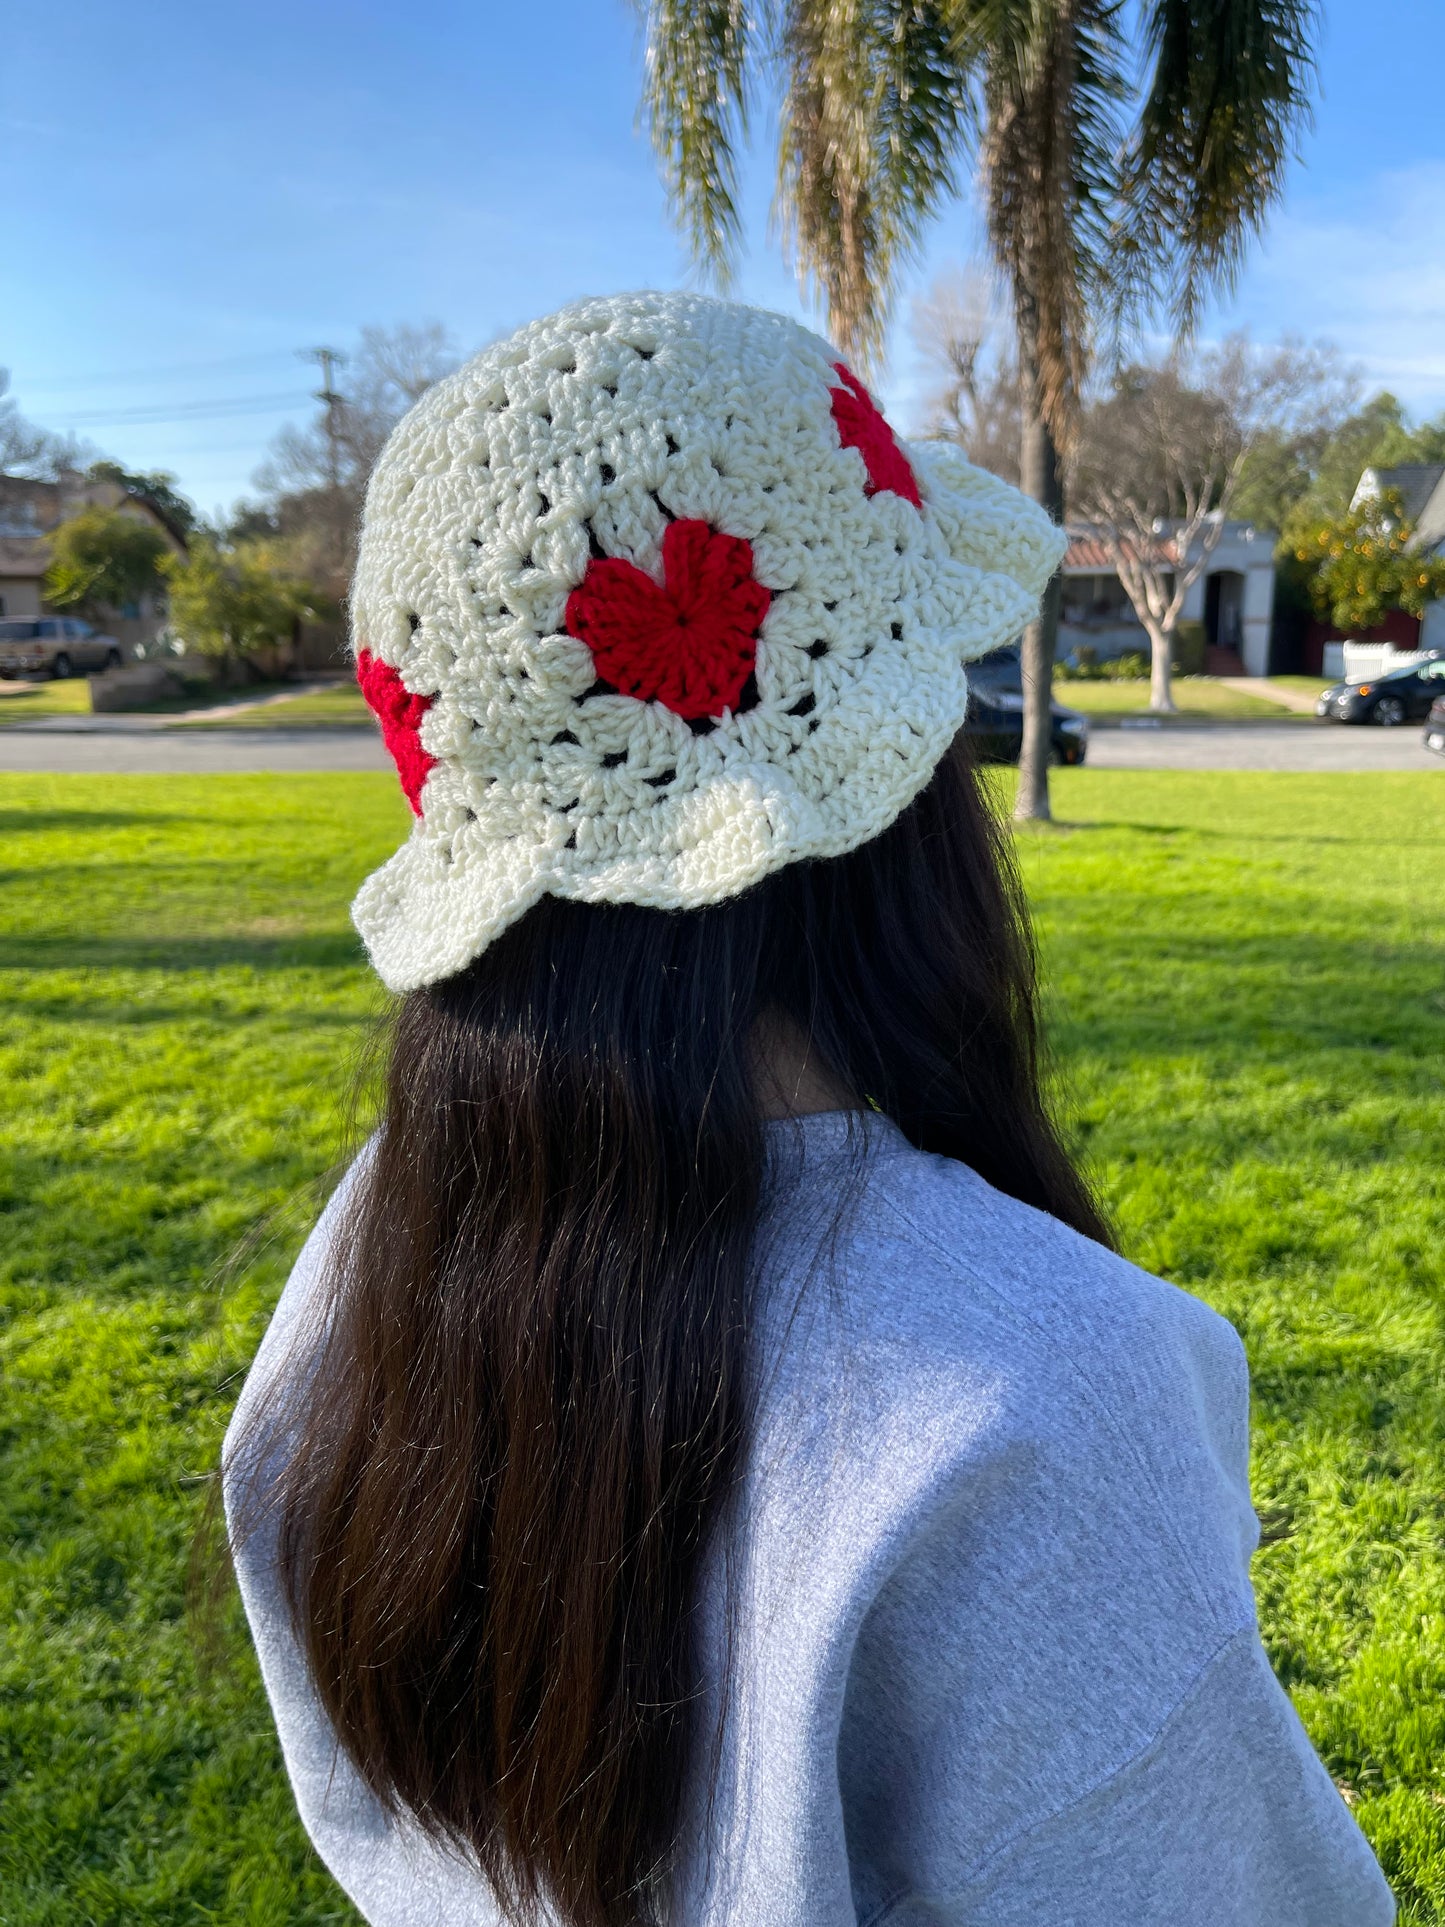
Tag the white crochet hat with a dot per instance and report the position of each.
(651, 602)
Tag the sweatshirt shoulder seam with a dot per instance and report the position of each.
(979, 1868)
(1103, 1405)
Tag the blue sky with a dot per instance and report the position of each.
(194, 193)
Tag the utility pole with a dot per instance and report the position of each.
(330, 359)
(336, 515)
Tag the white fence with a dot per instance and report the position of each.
(1360, 661)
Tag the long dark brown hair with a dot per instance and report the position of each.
(532, 1397)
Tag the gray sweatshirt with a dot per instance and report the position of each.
(995, 1660)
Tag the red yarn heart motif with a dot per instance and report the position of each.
(400, 714)
(862, 426)
(689, 643)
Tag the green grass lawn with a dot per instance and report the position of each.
(1246, 1000)
(24, 701)
(1194, 697)
(338, 703)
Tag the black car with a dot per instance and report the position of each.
(1397, 697)
(994, 724)
(1435, 727)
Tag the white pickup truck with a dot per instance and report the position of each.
(56, 646)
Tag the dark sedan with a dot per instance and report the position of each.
(994, 725)
(1435, 727)
(1400, 696)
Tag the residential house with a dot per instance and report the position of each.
(1232, 599)
(1421, 489)
(30, 511)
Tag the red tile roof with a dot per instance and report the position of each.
(1088, 555)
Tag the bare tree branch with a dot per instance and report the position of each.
(1159, 459)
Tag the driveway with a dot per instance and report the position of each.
(1138, 744)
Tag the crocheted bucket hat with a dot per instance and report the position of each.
(650, 601)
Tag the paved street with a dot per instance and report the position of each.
(144, 748)
(189, 752)
(1286, 746)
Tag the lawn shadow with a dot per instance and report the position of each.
(1287, 994)
(13, 820)
(1206, 831)
(108, 1012)
(321, 950)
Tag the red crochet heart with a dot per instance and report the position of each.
(861, 426)
(689, 644)
(400, 714)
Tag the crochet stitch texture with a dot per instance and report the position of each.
(651, 601)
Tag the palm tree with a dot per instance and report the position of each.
(1114, 184)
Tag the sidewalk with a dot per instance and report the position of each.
(139, 722)
(1294, 699)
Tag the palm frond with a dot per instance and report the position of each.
(695, 103)
(1230, 92)
(873, 114)
(1054, 82)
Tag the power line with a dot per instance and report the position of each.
(66, 382)
(159, 413)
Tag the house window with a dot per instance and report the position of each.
(1096, 600)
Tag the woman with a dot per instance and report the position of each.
(708, 1466)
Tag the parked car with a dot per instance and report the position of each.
(994, 724)
(56, 646)
(1435, 727)
(1398, 697)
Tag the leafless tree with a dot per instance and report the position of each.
(31, 452)
(975, 398)
(392, 368)
(1158, 459)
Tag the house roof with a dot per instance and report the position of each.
(1413, 482)
(1088, 554)
(31, 510)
